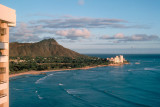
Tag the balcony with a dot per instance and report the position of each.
(3, 85)
(2, 31)
(3, 98)
(8, 15)
(3, 58)
(3, 45)
(2, 70)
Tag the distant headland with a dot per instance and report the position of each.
(47, 55)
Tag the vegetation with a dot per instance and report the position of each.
(22, 64)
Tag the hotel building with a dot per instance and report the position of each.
(7, 19)
(117, 59)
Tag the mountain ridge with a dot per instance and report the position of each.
(44, 48)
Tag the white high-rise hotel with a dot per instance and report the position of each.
(117, 59)
(7, 19)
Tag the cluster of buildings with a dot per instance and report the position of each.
(117, 59)
(7, 19)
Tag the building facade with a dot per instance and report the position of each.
(117, 59)
(7, 19)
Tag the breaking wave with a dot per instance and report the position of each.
(17, 89)
(130, 70)
(43, 78)
(148, 69)
(137, 63)
(74, 94)
(60, 84)
(38, 95)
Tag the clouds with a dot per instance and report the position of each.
(71, 28)
(81, 2)
(23, 32)
(137, 37)
(142, 37)
(85, 22)
(74, 33)
(117, 36)
(28, 33)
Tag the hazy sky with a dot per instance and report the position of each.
(90, 26)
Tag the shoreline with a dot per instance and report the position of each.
(44, 71)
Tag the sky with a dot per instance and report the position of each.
(90, 26)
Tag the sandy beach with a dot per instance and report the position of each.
(44, 71)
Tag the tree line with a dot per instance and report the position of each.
(22, 64)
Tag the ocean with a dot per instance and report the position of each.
(133, 85)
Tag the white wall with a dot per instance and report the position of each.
(3, 100)
(3, 58)
(3, 86)
(3, 45)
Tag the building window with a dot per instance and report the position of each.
(2, 70)
(2, 31)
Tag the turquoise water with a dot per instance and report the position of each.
(134, 85)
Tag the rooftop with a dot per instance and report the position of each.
(8, 15)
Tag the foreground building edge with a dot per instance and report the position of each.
(7, 19)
